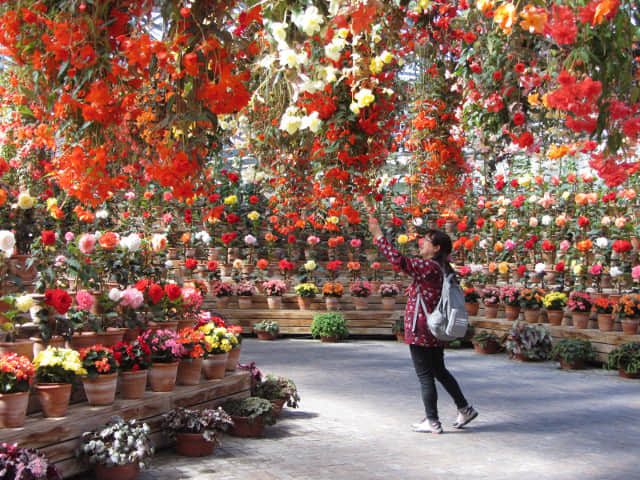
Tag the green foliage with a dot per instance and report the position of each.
(250, 407)
(484, 338)
(276, 388)
(208, 422)
(626, 357)
(398, 326)
(329, 324)
(268, 326)
(533, 341)
(569, 350)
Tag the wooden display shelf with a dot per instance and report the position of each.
(57, 438)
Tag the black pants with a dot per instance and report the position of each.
(429, 365)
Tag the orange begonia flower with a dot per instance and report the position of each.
(581, 199)
(561, 220)
(500, 223)
(3, 196)
(186, 236)
(498, 246)
(604, 8)
(109, 240)
(584, 245)
(556, 152)
(534, 19)
(505, 17)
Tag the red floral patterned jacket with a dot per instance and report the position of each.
(427, 279)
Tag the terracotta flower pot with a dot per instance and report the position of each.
(129, 471)
(243, 428)
(304, 303)
(491, 311)
(233, 357)
(488, 349)
(189, 371)
(193, 445)
(214, 366)
(555, 317)
(580, 319)
(133, 384)
(332, 303)
(113, 336)
(162, 376)
(100, 390)
(512, 312)
(13, 409)
(54, 398)
(222, 302)
(274, 303)
(277, 406)
(472, 308)
(329, 339)
(624, 374)
(245, 303)
(577, 365)
(268, 336)
(606, 322)
(83, 340)
(21, 347)
(388, 303)
(629, 326)
(531, 315)
(184, 323)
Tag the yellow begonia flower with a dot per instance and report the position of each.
(376, 65)
(333, 220)
(526, 180)
(556, 152)
(364, 97)
(402, 239)
(566, 195)
(52, 202)
(310, 266)
(231, 200)
(26, 201)
(503, 267)
(577, 269)
(24, 303)
(253, 215)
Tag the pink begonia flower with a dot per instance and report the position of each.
(399, 200)
(464, 270)
(595, 269)
(509, 244)
(355, 243)
(564, 245)
(69, 236)
(513, 223)
(192, 297)
(313, 240)
(129, 195)
(375, 265)
(85, 300)
(533, 222)
(87, 243)
(167, 217)
(606, 221)
(60, 260)
(132, 297)
(635, 272)
(168, 196)
(546, 201)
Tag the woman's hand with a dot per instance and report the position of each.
(374, 227)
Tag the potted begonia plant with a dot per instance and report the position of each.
(604, 307)
(554, 303)
(486, 342)
(196, 432)
(510, 298)
(16, 375)
(572, 353)
(102, 374)
(249, 415)
(626, 359)
(332, 291)
(579, 304)
(329, 326)
(361, 291)
(274, 290)
(134, 359)
(491, 300)
(244, 291)
(279, 391)
(531, 301)
(388, 292)
(267, 329)
(17, 463)
(166, 352)
(119, 447)
(306, 291)
(528, 342)
(471, 300)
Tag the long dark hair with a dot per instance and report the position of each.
(443, 240)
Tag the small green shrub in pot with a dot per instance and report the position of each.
(268, 326)
(484, 338)
(274, 387)
(625, 357)
(251, 408)
(572, 351)
(329, 324)
(530, 341)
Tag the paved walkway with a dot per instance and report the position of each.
(359, 398)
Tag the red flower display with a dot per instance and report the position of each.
(58, 299)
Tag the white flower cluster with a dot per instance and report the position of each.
(203, 236)
(131, 242)
(7, 242)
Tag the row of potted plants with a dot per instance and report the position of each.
(163, 356)
(625, 307)
(533, 343)
(120, 448)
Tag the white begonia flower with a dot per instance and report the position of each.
(533, 222)
(417, 221)
(310, 21)
(290, 121)
(288, 58)
(310, 265)
(364, 97)
(250, 239)
(7, 241)
(354, 108)
(335, 48)
(546, 220)
(577, 269)
(540, 268)
(279, 31)
(203, 236)
(168, 264)
(115, 295)
(387, 91)
(566, 195)
(532, 199)
(102, 214)
(26, 201)
(606, 221)
(602, 242)
(615, 271)
(131, 242)
(267, 61)
(312, 122)
(329, 74)
(483, 243)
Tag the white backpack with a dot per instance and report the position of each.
(449, 320)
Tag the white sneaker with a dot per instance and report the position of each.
(427, 426)
(465, 416)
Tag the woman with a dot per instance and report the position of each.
(427, 352)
